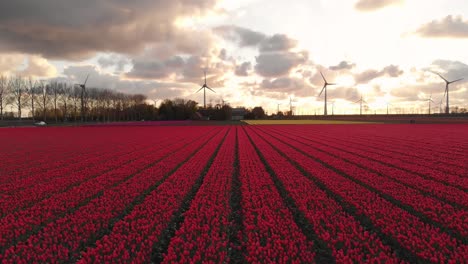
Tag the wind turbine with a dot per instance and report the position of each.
(360, 101)
(325, 84)
(83, 91)
(429, 101)
(277, 112)
(204, 87)
(290, 106)
(447, 108)
(388, 105)
(333, 107)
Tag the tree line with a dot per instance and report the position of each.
(55, 101)
(61, 101)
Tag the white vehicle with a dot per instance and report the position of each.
(40, 123)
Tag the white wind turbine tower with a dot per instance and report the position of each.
(325, 84)
(429, 100)
(360, 101)
(388, 105)
(83, 92)
(204, 87)
(290, 106)
(447, 108)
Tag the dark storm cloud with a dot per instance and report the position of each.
(66, 29)
(243, 69)
(449, 27)
(242, 36)
(343, 65)
(367, 76)
(372, 5)
(275, 64)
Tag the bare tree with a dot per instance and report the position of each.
(3, 94)
(44, 98)
(55, 90)
(66, 93)
(32, 91)
(75, 97)
(18, 93)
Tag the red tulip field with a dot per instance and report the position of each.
(379, 193)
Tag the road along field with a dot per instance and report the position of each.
(272, 193)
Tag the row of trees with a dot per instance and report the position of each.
(61, 101)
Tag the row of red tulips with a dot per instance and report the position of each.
(423, 149)
(412, 155)
(27, 155)
(63, 239)
(434, 183)
(269, 227)
(416, 236)
(63, 179)
(20, 223)
(347, 239)
(204, 233)
(447, 215)
(133, 237)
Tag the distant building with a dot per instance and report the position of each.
(237, 113)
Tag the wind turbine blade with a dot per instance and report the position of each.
(86, 79)
(204, 71)
(210, 89)
(331, 83)
(322, 90)
(323, 77)
(200, 89)
(456, 80)
(441, 76)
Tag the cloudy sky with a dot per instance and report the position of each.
(255, 52)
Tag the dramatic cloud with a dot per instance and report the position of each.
(344, 65)
(345, 93)
(371, 5)
(9, 62)
(276, 64)
(154, 69)
(78, 29)
(367, 76)
(39, 67)
(113, 60)
(451, 70)
(242, 36)
(280, 88)
(277, 42)
(152, 89)
(449, 27)
(243, 69)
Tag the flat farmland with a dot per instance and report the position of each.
(326, 193)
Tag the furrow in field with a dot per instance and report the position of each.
(132, 238)
(447, 193)
(339, 231)
(413, 234)
(451, 220)
(203, 234)
(46, 217)
(269, 226)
